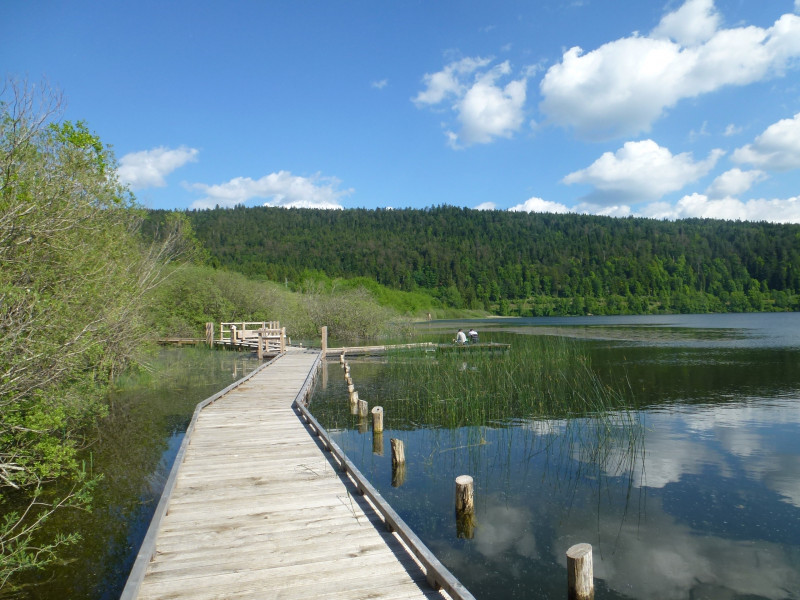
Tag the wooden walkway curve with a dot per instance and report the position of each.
(258, 510)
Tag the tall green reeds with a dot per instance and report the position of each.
(539, 377)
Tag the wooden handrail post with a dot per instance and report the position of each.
(210, 334)
(324, 340)
(260, 349)
(283, 340)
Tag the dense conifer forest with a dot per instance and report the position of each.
(517, 263)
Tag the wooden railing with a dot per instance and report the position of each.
(265, 337)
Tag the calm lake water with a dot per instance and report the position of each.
(134, 450)
(703, 502)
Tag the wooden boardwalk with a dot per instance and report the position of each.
(259, 510)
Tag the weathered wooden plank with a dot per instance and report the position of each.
(350, 585)
(259, 510)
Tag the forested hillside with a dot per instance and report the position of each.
(518, 262)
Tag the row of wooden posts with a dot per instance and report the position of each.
(580, 575)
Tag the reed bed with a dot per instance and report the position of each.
(539, 377)
(540, 402)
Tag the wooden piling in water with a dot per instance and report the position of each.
(465, 507)
(398, 462)
(398, 452)
(377, 443)
(363, 409)
(580, 572)
(377, 419)
(465, 499)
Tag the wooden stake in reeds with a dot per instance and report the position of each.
(580, 573)
(353, 397)
(350, 388)
(465, 507)
(398, 462)
(341, 358)
(377, 419)
(363, 409)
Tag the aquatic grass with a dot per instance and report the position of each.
(538, 377)
(543, 389)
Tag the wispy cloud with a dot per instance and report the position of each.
(148, 168)
(278, 189)
(379, 85)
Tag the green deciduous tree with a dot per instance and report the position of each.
(74, 282)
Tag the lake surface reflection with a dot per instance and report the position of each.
(703, 502)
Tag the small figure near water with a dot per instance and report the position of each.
(461, 337)
(473, 336)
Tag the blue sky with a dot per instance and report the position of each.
(665, 109)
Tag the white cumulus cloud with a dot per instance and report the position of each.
(448, 82)
(540, 206)
(623, 86)
(693, 23)
(485, 107)
(278, 189)
(640, 171)
(149, 168)
(732, 209)
(777, 149)
(734, 182)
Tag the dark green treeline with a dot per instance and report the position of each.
(520, 263)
